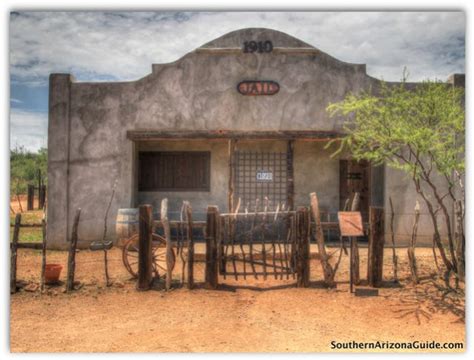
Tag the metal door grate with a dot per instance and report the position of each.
(258, 175)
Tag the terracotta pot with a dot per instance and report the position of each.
(52, 272)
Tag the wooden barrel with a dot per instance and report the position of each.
(126, 224)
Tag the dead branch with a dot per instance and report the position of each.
(411, 249)
(107, 282)
(392, 233)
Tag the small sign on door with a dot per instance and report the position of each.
(264, 176)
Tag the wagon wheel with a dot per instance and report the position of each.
(130, 255)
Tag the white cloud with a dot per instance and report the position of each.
(122, 46)
(28, 129)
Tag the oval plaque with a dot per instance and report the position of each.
(257, 87)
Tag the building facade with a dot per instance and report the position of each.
(241, 117)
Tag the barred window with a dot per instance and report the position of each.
(174, 171)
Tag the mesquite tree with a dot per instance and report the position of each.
(420, 130)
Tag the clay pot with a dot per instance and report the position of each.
(52, 272)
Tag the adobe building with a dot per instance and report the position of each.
(243, 116)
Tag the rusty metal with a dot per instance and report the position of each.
(248, 183)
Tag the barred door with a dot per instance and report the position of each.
(261, 174)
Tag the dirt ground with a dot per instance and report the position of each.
(20, 203)
(241, 316)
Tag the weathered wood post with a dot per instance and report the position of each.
(355, 268)
(71, 261)
(376, 246)
(302, 258)
(39, 189)
(189, 219)
(145, 232)
(43, 253)
(328, 271)
(169, 246)
(211, 271)
(30, 197)
(42, 196)
(14, 250)
(224, 225)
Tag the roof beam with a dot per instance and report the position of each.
(151, 135)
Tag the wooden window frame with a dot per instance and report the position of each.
(206, 188)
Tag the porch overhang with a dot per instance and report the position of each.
(308, 135)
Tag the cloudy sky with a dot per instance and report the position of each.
(110, 46)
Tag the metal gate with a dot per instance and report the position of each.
(260, 175)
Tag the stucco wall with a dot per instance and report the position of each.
(88, 147)
(316, 171)
(401, 189)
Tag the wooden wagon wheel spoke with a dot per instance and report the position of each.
(130, 255)
(162, 268)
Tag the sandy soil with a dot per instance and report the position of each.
(242, 316)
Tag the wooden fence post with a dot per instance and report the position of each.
(190, 262)
(211, 272)
(42, 197)
(302, 258)
(355, 268)
(328, 271)
(145, 268)
(14, 249)
(39, 189)
(169, 247)
(71, 261)
(30, 197)
(376, 246)
(43, 253)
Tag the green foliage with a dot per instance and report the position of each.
(24, 166)
(412, 128)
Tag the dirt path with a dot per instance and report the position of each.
(243, 316)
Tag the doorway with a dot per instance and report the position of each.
(258, 175)
(354, 176)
